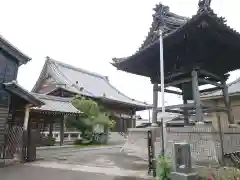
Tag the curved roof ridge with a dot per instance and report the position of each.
(75, 68)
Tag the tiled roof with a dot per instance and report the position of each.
(14, 88)
(56, 104)
(87, 83)
(233, 88)
(170, 23)
(13, 51)
(163, 20)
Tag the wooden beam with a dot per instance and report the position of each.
(206, 106)
(215, 109)
(169, 91)
(51, 128)
(174, 111)
(227, 102)
(176, 82)
(175, 75)
(209, 74)
(201, 80)
(179, 106)
(196, 95)
(186, 118)
(210, 89)
(62, 131)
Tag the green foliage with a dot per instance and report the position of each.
(93, 114)
(87, 106)
(163, 168)
(111, 124)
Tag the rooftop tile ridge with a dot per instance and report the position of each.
(74, 68)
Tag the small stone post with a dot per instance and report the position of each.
(182, 164)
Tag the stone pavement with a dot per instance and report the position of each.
(105, 162)
(22, 172)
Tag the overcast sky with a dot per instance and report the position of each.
(89, 33)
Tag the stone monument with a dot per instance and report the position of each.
(182, 165)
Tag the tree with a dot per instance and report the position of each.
(93, 114)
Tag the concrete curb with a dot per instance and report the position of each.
(78, 149)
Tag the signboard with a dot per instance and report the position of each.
(151, 158)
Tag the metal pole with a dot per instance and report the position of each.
(149, 116)
(162, 88)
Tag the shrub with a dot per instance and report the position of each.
(163, 168)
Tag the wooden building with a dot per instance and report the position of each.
(50, 117)
(216, 98)
(13, 99)
(64, 80)
(191, 49)
(200, 50)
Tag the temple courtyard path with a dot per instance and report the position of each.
(101, 164)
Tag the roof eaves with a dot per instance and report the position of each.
(203, 12)
(15, 88)
(53, 98)
(13, 51)
(55, 112)
(134, 104)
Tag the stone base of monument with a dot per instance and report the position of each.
(183, 176)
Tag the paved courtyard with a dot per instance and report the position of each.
(39, 173)
(71, 164)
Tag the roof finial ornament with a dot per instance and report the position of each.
(160, 11)
(203, 5)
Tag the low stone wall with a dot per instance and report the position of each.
(203, 138)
